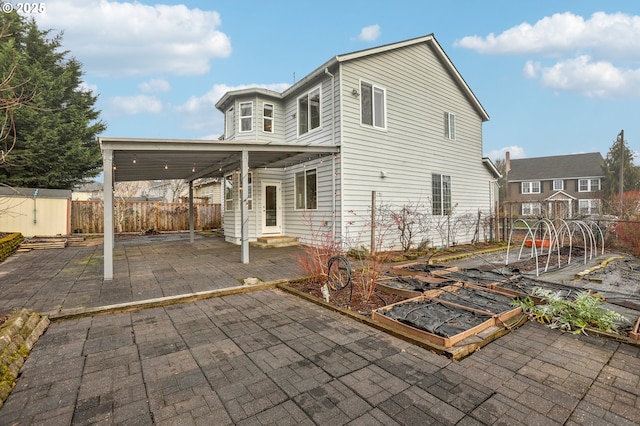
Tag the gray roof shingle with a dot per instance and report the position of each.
(557, 167)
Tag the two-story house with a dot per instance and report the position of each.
(397, 121)
(562, 186)
(407, 125)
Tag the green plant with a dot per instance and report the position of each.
(584, 311)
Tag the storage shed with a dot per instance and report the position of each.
(35, 211)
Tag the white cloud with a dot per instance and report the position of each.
(613, 36)
(500, 154)
(155, 85)
(583, 75)
(370, 33)
(594, 57)
(124, 38)
(131, 105)
(198, 110)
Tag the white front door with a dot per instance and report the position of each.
(271, 208)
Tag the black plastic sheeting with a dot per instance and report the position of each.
(476, 299)
(476, 276)
(526, 286)
(414, 284)
(424, 267)
(435, 317)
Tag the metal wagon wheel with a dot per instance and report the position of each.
(339, 285)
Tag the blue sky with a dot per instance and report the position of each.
(556, 77)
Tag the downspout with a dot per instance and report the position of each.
(342, 230)
(333, 157)
(35, 194)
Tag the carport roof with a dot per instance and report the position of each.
(190, 159)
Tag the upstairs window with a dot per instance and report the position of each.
(531, 187)
(588, 185)
(267, 118)
(558, 185)
(440, 194)
(246, 116)
(372, 105)
(450, 125)
(309, 111)
(228, 123)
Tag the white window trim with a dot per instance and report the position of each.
(593, 205)
(250, 198)
(529, 185)
(272, 118)
(240, 117)
(530, 209)
(450, 131)
(229, 120)
(373, 106)
(309, 131)
(589, 186)
(561, 182)
(295, 190)
(445, 208)
(228, 201)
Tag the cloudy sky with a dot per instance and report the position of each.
(556, 77)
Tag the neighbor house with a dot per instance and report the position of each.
(562, 186)
(408, 128)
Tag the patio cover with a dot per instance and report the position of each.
(127, 159)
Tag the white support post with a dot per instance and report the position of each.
(191, 210)
(244, 206)
(107, 163)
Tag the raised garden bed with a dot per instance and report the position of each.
(439, 322)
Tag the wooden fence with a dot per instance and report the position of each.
(142, 216)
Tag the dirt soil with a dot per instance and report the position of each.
(357, 302)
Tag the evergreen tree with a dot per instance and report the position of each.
(619, 154)
(56, 135)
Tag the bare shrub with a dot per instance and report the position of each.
(320, 247)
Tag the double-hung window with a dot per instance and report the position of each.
(530, 209)
(250, 191)
(228, 192)
(588, 206)
(306, 187)
(588, 185)
(450, 125)
(309, 111)
(440, 194)
(558, 185)
(531, 187)
(372, 105)
(246, 116)
(267, 118)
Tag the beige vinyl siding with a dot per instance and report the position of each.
(418, 91)
(39, 216)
